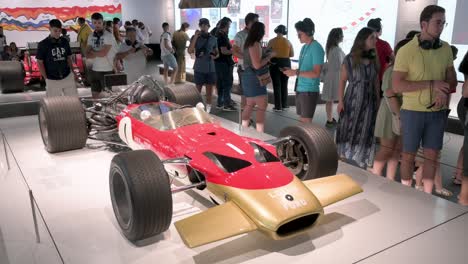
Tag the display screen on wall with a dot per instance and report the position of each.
(271, 12)
(19, 16)
(184, 4)
(350, 15)
(456, 31)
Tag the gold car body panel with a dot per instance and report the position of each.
(266, 210)
(214, 224)
(270, 208)
(333, 189)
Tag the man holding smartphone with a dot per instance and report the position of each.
(133, 53)
(425, 75)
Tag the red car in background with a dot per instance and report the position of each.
(31, 68)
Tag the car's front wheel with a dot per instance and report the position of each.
(310, 153)
(141, 194)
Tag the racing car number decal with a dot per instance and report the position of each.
(286, 198)
(125, 133)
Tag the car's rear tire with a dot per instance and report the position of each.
(313, 149)
(184, 94)
(62, 122)
(141, 194)
(11, 77)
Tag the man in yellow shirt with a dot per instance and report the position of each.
(179, 40)
(424, 74)
(83, 34)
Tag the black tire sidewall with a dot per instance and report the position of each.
(149, 193)
(320, 147)
(185, 94)
(65, 122)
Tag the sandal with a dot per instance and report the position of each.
(456, 181)
(419, 187)
(444, 192)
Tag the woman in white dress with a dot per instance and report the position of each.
(331, 75)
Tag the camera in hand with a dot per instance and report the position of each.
(200, 52)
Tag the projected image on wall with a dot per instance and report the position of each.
(456, 31)
(460, 29)
(34, 16)
(26, 20)
(350, 15)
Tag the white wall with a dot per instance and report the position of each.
(151, 12)
(408, 16)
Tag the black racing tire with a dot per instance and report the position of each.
(62, 122)
(316, 147)
(141, 194)
(11, 77)
(183, 94)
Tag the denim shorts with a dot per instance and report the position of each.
(169, 61)
(251, 85)
(202, 78)
(426, 126)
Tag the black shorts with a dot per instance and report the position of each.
(306, 102)
(97, 80)
(202, 78)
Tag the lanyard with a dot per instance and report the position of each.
(306, 50)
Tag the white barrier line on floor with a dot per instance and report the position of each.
(33, 201)
(6, 152)
(33, 211)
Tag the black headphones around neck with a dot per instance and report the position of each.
(129, 43)
(428, 44)
(98, 34)
(368, 54)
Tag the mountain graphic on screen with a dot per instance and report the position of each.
(37, 18)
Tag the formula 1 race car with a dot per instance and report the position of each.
(277, 187)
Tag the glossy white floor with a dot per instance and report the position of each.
(387, 223)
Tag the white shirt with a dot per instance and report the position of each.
(239, 40)
(134, 63)
(164, 50)
(146, 34)
(106, 63)
(140, 36)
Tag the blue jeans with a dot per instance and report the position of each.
(426, 126)
(224, 82)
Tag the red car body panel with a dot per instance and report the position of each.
(31, 68)
(193, 141)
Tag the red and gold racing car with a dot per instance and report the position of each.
(278, 187)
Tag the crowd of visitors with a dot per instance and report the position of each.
(392, 106)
